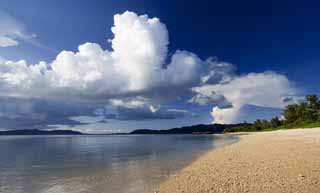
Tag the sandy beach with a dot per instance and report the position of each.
(279, 161)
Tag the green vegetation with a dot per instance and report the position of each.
(303, 115)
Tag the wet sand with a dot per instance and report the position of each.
(279, 161)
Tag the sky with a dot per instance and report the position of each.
(114, 66)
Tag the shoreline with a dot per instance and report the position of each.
(277, 161)
(221, 140)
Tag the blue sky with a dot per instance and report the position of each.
(254, 53)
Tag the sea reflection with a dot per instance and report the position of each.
(96, 163)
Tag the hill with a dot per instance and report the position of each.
(39, 132)
(195, 129)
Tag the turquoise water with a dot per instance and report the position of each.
(96, 163)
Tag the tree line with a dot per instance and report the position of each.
(300, 115)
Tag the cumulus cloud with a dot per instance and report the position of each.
(266, 89)
(134, 66)
(133, 79)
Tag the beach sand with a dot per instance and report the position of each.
(279, 161)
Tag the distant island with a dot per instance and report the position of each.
(40, 132)
(195, 129)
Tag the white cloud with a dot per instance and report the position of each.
(211, 98)
(133, 67)
(11, 31)
(137, 102)
(225, 116)
(259, 89)
(140, 108)
(139, 48)
(6, 41)
(134, 78)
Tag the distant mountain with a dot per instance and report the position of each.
(39, 132)
(195, 129)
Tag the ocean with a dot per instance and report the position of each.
(97, 163)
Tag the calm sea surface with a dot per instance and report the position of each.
(96, 163)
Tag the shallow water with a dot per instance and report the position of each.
(96, 163)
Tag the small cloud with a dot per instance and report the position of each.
(7, 41)
(178, 110)
(293, 99)
(11, 31)
(212, 99)
(146, 112)
(154, 109)
(265, 89)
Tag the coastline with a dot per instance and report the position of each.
(277, 161)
